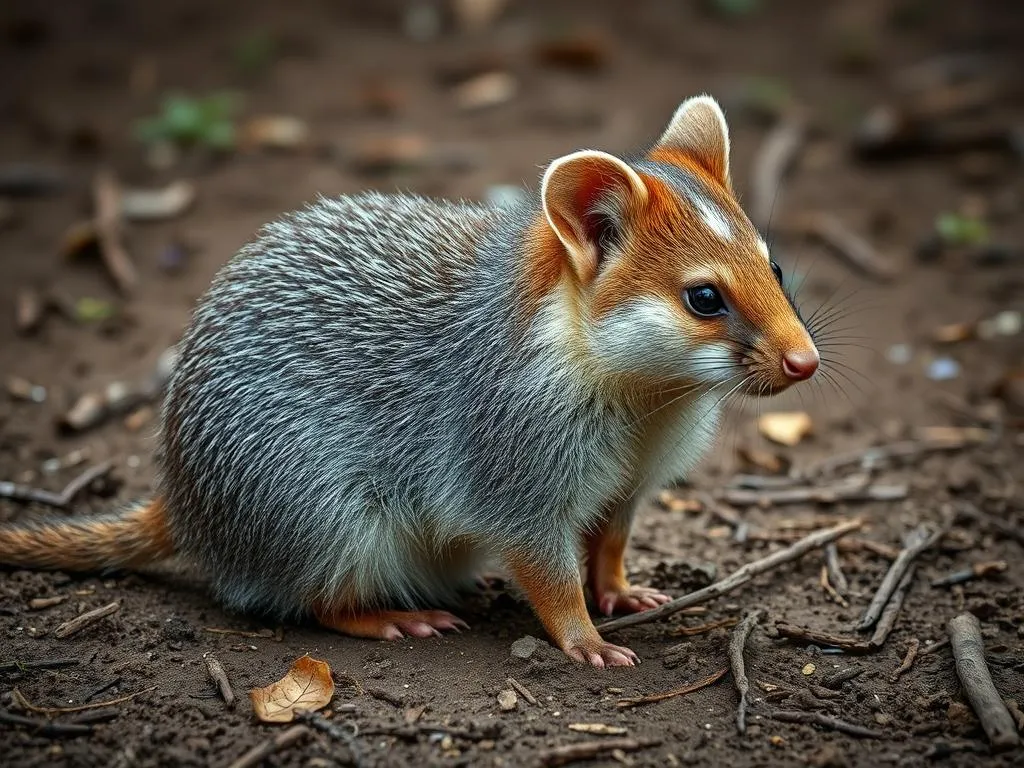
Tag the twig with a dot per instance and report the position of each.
(742, 497)
(892, 610)
(588, 750)
(682, 691)
(737, 643)
(908, 660)
(872, 458)
(931, 648)
(20, 666)
(102, 689)
(62, 500)
(829, 589)
(334, 730)
(265, 749)
(836, 679)
(916, 542)
(41, 603)
(107, 202)
(702, 629)
(830, 230)
(46, 728)
(851, 645)
(216, 671)
(850, 544)
(738, 578)
(976, 571)
(775, 157)
(825, 721)
(22, 701)
(969, 654)
(264, 633)
(77, 624)
(522, 690)
(836, 577)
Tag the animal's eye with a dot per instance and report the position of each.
(704, 301)
(778, 271)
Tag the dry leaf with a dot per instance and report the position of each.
(308, 685)
(598, 728)
(768, 461)
(785, 428)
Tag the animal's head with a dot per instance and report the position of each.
(669, 279)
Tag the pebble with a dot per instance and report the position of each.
(808, 669)
(899, 354)
(22, 389)
(524, 647)
(507, 700)
(943, 369)
(1006, 323)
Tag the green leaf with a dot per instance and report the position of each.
(956, 229)
(90, 310)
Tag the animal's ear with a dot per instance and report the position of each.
(699, 131)
(584, 195)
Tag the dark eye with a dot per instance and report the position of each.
(704, 301)
(778, 271)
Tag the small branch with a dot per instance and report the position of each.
(588, 750)
(976, 571)
(702, 629)
(77, 624)
(969, 654)
(25, 703)
(107, 202)
(265, 749)
(766, 497)
(46, 728)
(21, 666)
(825, 721)
(737, 643)
(850, 645)
(916, 542)
(892, 610)
(775, 157)
(931, 648)
(908, 660)
(522, 690)
(736, 579)
(862, 255)
(874, 457)
(62, 500)
(681, 691)
(836, 577)
(216, 671)
(829, 589)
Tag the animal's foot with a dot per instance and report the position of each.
(630, 600)
(601, 654)
(393, 625)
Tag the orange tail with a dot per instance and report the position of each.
(129, 539)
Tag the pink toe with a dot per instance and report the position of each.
(419, 629)
(390, 632)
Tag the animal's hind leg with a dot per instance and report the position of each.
(388, 625)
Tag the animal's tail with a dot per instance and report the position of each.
(132, 538)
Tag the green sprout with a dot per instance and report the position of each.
(189, 121)
(959, 230)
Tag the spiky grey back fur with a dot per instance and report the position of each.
(364, 408)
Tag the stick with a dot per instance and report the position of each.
(216, 671)
(775, 157)
(742, 497)
(908, 660)
(107, 202)
(62, 500)
(20, 698)
(916, 542)
(77, 624)
(265, 749)
(850, 645)
(681, 691)
(40, 603)
(522, 690)
(892, 609)
(816, 718)
(836, 577)
(874, 457)
(737, 643)
(588, 750)
(21, 666)
(829, 589)
(701, 629)
(45, 727)
(736, 579)
(976, 571)
(830, 230)
(969, 654)
(931, 648)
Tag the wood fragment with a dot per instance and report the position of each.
(842, 492)
(891, 612)
(908, 660)
(102, 689)
(681, 691)
(835, 679)
(337, 731)
(264, 633)
(21, 666)
(858, 252)
(46, 728)
(931, 648)
(107, 202)
(26, 704)
(589, 750)
(829, 589)
(836, 577)
(775, 156)
(737, 643)
(738, 578)
(62, 500)
(976, 571)
(522, 690)
(869, 459)
(917, 541)
(265, 749)
(826, 721)
(969, 653)
(702, 629)
(217, 674)
(77, 624)
(850, 645)
(39, 603)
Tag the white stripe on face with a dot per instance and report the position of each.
(712, 217)
(764, 249)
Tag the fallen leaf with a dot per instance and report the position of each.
(308, 685)
(157, 204)
(786, 427)
(600, 729)
(767, 461)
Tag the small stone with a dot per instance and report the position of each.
(1006, 323)
(777, 741)
(22, 389)
(808, 669)
(899, 354)
(943, 369)
(524, 647)
(507, 700)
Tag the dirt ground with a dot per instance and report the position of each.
(76, 78)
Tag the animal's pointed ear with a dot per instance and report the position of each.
(698, 130)
(584, 195)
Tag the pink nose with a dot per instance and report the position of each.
(800, 364)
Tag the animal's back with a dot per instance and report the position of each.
(313, 344)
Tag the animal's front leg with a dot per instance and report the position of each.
(606, 568)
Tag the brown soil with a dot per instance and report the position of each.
(76, 80)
